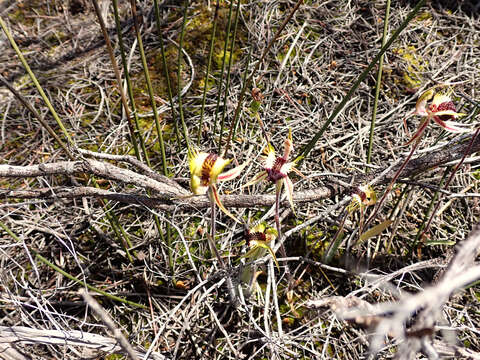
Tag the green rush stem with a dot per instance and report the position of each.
(118, 78)
(430, 206)
(149, 86)
(220, 79)
(378, 85)
(255, 69)
(117, 228)
(137, 126)
(71, 277)
(35, 81)
(460, 163)
(236, 118)
(129, 83)
(209, 63)
(35, 113)
(227, 81)
(165, 71)
(179, 77)
(306, 150)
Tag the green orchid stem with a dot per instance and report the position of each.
(378, 85)
(71, 277)
(306, 150)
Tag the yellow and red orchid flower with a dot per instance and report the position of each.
(276, 169)
(441, 110)
(206, 170)
(258, 238)
(362, 196)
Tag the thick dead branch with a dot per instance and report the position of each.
(167, 194)
(12, 337)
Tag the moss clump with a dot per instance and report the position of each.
(414, 66)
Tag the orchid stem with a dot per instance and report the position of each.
(390, 186)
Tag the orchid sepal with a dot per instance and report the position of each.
(219, 203)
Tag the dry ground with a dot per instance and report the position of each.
(398, 295)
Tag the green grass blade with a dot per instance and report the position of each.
(209, 64)
(179, 76)
(306, 150)
(227, 81)
(165, 70)
(35, 81)
(222, 69)
(149, 85)
(71, 277)
(377, 85)
(39, 117)
(123, 98)
(138, 130)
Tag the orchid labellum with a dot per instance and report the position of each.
(276, 169)
(441, 110)
(206, 170)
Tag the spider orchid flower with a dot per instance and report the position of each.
(258, 238)
(276, 169)
(206, 170)
(362, 197)
(441, 110)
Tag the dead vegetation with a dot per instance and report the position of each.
(93, 219)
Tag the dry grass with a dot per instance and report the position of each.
(399, 286)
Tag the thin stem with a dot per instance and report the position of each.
(467, 151)
(222, 69)
(227, 82)
(71, 277)
(35, 81)
(165, 70)
(377, 86)
(430, 207)
(149, 85)
(118, 78)
(209, 63)
(129, 83)
(255, 69)
(35, 113)
(392, 182)
(306, 150)
(179, 76)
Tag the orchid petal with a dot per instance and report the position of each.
(232, 173)
(289, 191)
(270, 159)
(254, 252)
(217, 200)
(259, 177)
(451, 126)
(421, 105)
(448, 112)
